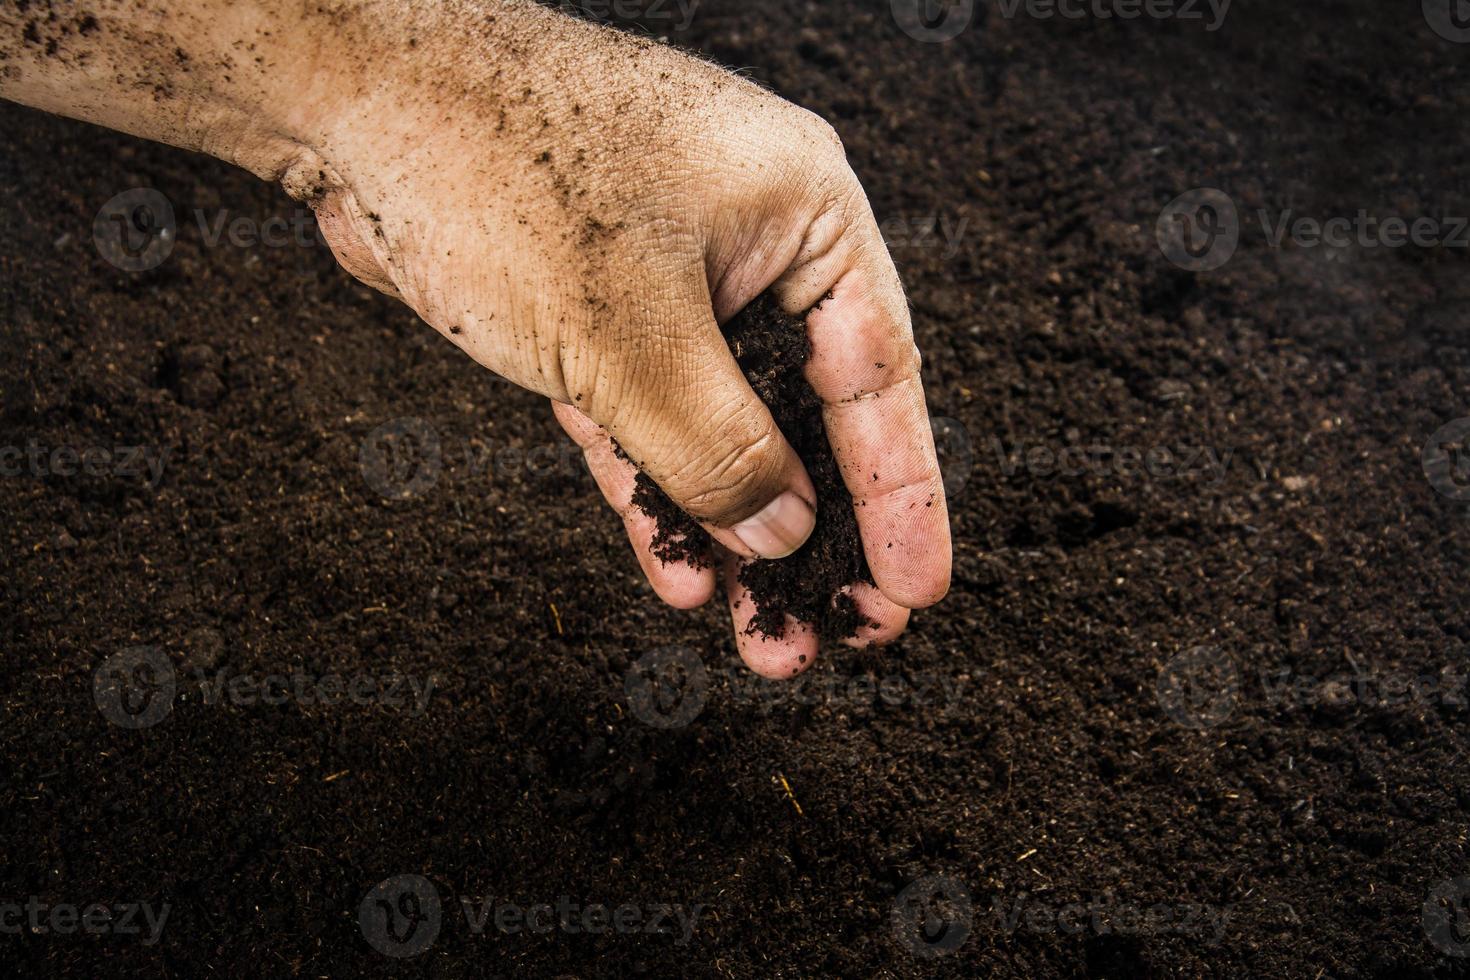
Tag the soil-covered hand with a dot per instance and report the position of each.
(579, 210)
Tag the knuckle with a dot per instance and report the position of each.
(819, 132)
(728, 480)
(816, 151)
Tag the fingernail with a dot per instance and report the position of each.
(780, 528)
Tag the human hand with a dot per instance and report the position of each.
(580, 217)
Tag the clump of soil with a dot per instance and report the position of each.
(772, 347)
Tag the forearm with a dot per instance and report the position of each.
(201, 74)
(253, 82)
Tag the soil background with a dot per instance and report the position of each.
(1054, 776)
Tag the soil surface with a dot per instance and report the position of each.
(1159, 727)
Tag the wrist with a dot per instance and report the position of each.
(334, 80)
(285, 81)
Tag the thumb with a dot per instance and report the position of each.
(689, 420)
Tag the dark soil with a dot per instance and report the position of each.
(1032, 744)
(771, 348)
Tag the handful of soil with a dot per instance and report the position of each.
(771, 349)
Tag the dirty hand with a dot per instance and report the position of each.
(579, 210)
